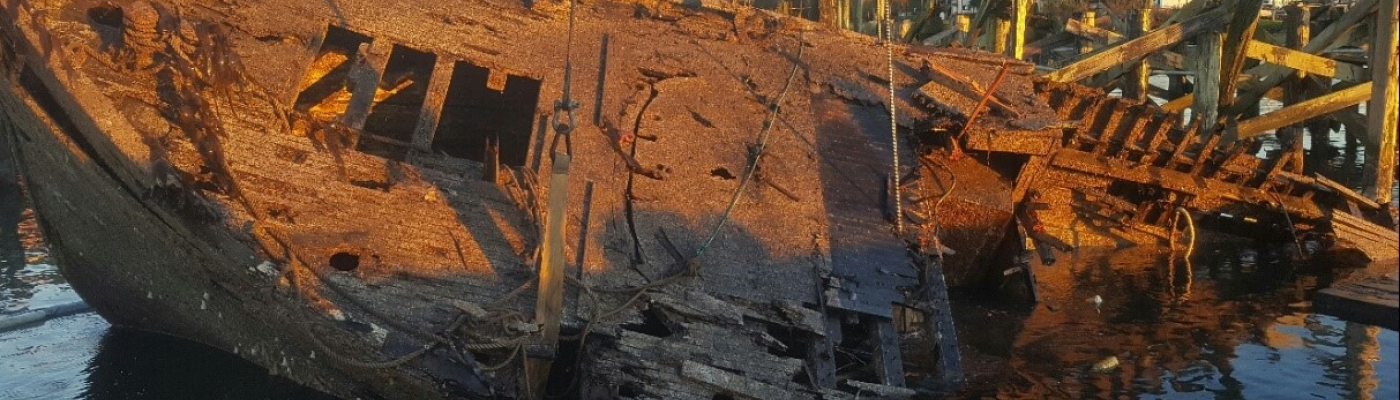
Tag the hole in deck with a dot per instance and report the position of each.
(343, 261)
(474, 112)
(399, 101)
(323, 93)
(722, 396)
(652, 324)
(722, 173)
(793, 344)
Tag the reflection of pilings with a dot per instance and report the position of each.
(1362, 350)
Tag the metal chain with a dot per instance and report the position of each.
(894, 123)
(565, 106)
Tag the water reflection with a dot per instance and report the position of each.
(137, 365)
(1233, 325)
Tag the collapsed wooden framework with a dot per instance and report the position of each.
(1234, 65)
(1317, 67)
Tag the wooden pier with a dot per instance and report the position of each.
(1320, 61)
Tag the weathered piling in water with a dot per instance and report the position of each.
(1135, 84)
(1382, 110)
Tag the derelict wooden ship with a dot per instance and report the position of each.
(362, 197)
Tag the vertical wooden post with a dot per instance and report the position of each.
(1382, 111)
(1135, 81)
(549, 305)
(1003, 34)
(858, 15)
(1086, 46)
(964, 26)
(1206, 106)
(1296, 32)
(1020, 16)
(829, 12)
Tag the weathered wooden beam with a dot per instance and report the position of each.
(1090, 20)
(363, 81)
(1182, 182)
(1205, 106)
(1304, 62)
(1296, 32)
(549, 304)
(1053, 41)
(1135, 84)
(429, 116)
(1268, 76)
(1165, 59)
(886, 356)
(1304, 111)
(1382, 110)
(1238, 34)
(1179, 104)
(963, 24)
(1002, 36)
(831, 13)
(1135, 49)
(938, 315)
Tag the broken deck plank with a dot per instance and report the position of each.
(1205, 189)
(1373, 297)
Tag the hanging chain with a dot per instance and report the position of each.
(894, 123)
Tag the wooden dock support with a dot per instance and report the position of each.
(1135, 84)
(963, 24)
(1296, 33)
(1002, 36)
(1089, 19)
(1303, 111)
(1238, 36)
(1020, 17)
(1206, 104)
(1382, 111)
(549, 305)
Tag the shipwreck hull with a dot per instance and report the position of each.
(364, 199)
(143, 267)
(351, 201)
